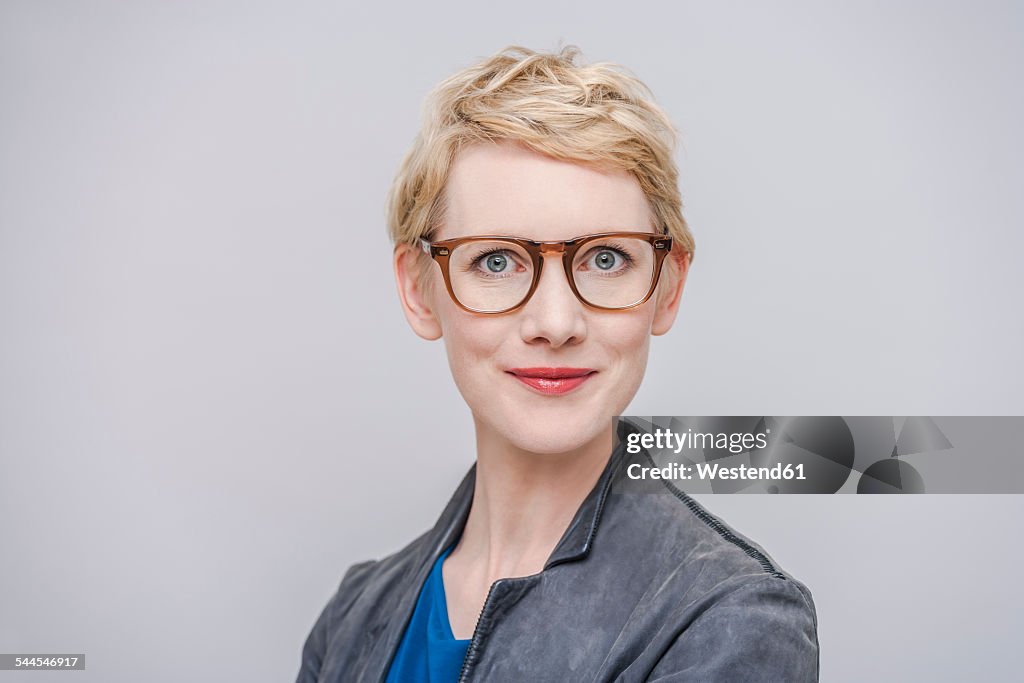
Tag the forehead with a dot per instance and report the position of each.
(507, 189)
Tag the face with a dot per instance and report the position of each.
(499, 361)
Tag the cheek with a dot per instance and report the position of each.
(471, 342)
(628, 338)
(628, 342)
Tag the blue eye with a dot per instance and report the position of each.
(496, 263)
(605, 259)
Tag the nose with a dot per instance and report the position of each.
(553, 315)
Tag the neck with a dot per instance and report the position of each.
(524, 501)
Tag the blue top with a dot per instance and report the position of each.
(429, 652)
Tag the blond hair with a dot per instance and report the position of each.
(598, 114)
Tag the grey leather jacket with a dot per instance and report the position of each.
(645, 585)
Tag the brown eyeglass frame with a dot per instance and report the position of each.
(441, 251)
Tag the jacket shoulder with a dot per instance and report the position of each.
(716, 585)
(775, 621)
(343, 620)
(702, 535)
(741, 549)
(365, 576)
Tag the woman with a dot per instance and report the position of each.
(538, 231)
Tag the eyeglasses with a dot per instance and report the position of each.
(498, 274)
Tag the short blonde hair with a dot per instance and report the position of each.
(598, 114)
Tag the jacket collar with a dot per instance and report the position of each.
(579, 536)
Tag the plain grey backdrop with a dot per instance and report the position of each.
(211, 405)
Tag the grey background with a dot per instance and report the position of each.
(211, 405)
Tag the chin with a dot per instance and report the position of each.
(550, 432)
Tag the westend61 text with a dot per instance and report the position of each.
(709, 471)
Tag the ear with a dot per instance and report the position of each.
(668, 302)
(415, 302)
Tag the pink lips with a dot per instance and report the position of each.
(552, 380)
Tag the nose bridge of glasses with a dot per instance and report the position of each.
(556, 250)
(552, 247)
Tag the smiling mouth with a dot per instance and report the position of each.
(552, 381)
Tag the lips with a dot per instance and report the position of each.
(552, 381)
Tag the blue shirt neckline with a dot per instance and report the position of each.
(441, 599)
(429, 652)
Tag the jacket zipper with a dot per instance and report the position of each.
(474, 642)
